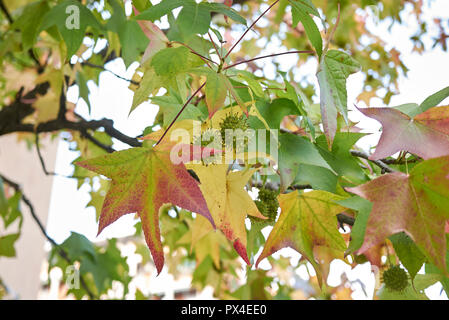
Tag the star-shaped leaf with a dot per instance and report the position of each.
(143, 179)
(417, 204)
(335, 68)
(307, 220)
(426, 135)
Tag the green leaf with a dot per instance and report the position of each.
(314, 35)
(170, 106)
(106, 267)
(61, 17)
(340, 158)
(410, 109)
(10, 209)
(77, 246)
(149, 83)
(409, 254)
(434, 99)
(227, 11)
(363, 207)
(83, 88)
(216, 92)
(306, 6)
(170, 61)
(194, 18)
(133, 41)
(7, 245)
(335, 67)
(161, 9)
(296, 150)
(274, 112)
(29, 20)
(254, 85)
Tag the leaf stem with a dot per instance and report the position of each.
(216, 49)
(332, 32)
(180, 111)
(267, 56)
(205, 59)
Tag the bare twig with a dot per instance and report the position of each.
(92, 65)
(332, 32)
(250, 27)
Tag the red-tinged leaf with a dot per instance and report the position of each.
(426, 135)
(417, 204)
(158, 40)
(307, 220)
(144, 179)
(216, 92)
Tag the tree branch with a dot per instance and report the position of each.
(379, 163)
(62, 253)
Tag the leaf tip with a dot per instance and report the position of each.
(241, 250)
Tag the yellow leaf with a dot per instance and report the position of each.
(228, 202)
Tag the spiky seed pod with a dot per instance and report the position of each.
(233, 122)
(395, 279)
(268, 204)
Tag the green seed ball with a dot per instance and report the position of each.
(395, 279)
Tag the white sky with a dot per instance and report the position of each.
(428, 73)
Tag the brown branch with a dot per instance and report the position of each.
(93, 65)
(379, 163)
(62, 253)
(6, 12)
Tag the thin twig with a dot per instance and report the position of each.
(267, 56)
(41, 159)
(246, 31)
(216, 50)
(92, 65)
(62, 253)
(332, 32)
(6, 12)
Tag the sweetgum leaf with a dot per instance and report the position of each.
(426, 134)
(144, 179)
(307, 220)
(417, 204)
